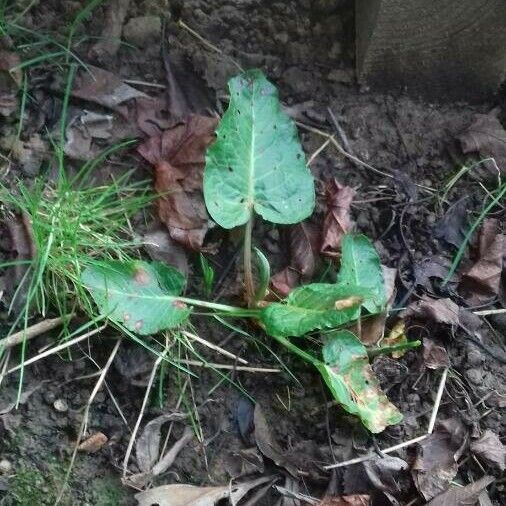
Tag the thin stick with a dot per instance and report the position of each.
(56, 349)
(248, 267)
(33, 331)
(157, 363)
(212, 365)
(439, 395)
(144, 83)
(318, 151)
(489, 312)
(214, 347)
(84, 423)
(396, 447)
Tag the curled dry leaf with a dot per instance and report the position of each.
(284, 282)
(397, 335)
(490, 448)
(436, 462)
(388, 474)
(434, 356)
(337, 220)
(94, 443)
(189, 495)
(451, 227)
(487, 137)
(178, 157)
(482, 281)
(462, 496)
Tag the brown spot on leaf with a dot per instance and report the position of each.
(348, 302)
(178, 304)
(141, 276)
(138, 324)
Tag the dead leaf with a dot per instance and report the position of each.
(388, 474)
(451, 227)
(102, 87)
(434, 356)
(337, 220)
(436, 310)
(178, 157)
(462, 496)
(160, 246)
(397, 335)
(147, 448)
(431, 268)
(346, 500)
(10, 80)
(373, 328)
(490, 448)
(284, 282)
(487, 137)
(436, 461)
(94, 443)
(110, 39)
(268, 445)
(189, 495)
(482, 281)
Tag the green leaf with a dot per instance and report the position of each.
(141, 296)
(256, 163)
(263, 274)
(312, 307)
(360, 266)
(351, 380)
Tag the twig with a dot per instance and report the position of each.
(318, 151)
(84, 423)
(168, 459)
(339, 130)
(399, 446)
(157, 363)
(56, 349)
(212, 365)
(489, 312)
(214, 347)
(33, 331)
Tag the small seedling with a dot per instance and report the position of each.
(207, 275)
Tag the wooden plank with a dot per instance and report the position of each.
(439, 49)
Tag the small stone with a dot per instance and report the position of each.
(60, 405)
(142, 30)
(5, 466)
(474, 376)
(475, 358)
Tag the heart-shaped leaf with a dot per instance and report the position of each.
(360, 266)
(140, 296)
(350, 378)
(256, 163)
(313, 307)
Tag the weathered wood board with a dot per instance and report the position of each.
(438, 49)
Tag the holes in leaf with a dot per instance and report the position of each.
(299, 156)
(242, 200)
(275, 127)
(230, 169)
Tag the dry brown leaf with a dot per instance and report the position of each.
(268, 445)
(434, 356)
(397, 335)
(436, 310)
(462, 496)
(436, 462)
(346, 500)
(490, 448)
(486, 136)
(178, 157)
(94, 443)
(451, 226)
(283, 282)
(189, 495)
(337, 220)
(10, 80)
(388, 474)
(482, 281)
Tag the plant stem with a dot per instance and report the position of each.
(224, 308)
(297, 351)
(248, 269)
(383, 350)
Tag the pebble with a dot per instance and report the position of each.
(475, 376)
(5, 466)
(60, 405)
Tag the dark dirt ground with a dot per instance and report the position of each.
(306, 48)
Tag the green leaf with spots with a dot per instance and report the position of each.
(141, 296)
(313, 307)
(256, 163)
(350, 378)
(360, 266)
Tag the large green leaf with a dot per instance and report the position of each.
(360, 266)
(256, 162)
(141, 296)
(351, 380)
(313, 307)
